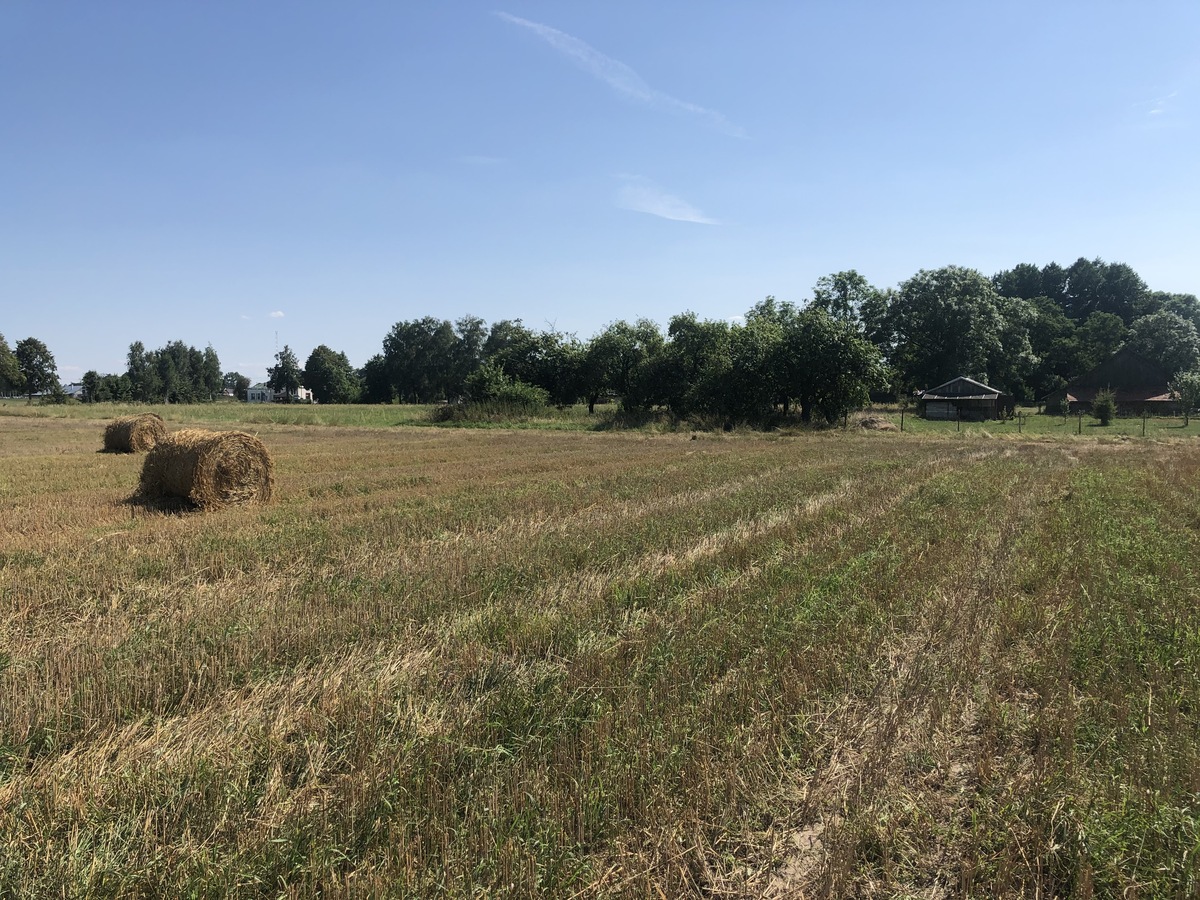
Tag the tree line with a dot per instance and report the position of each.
(1026, 330)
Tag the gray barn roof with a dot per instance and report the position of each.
(961, 388)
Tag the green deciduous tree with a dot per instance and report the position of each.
(423, 360)
(376, 381)
(619, 361)
(38, 370)
(1096, 286)
(1186, 388)
(693, 366)
(944, 323)
(828, 367)
(844, 295)
(285, 377)
(236, 383)
(1166, 338)
(1104, 406)
(10, 369)
(331, 378)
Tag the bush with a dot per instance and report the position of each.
(1104, 407)
(490, 384)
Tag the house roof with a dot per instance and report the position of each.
(1131, 377)
(1123, 370)
(1121, 395)
(961, 388)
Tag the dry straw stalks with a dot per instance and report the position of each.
(209, 469)
(134, 434)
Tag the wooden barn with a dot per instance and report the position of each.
(964, 398)
(1139, 385)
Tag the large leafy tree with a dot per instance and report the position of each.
(1096, 286)
(422, 359)
(38, 370)
(1186, 306)
(943, 323)
(10, 369)
(376, 381)
(1100, 336)
(1186, 387)
(1023, 281)
(212, 382)
(752, 385)
(285, 376)
(619, 359)
(143, 375)
(1054, 341)
(1166, 338)
(844, 295)
(694, 365)
(237, 383)
(826, 365)
(331, 378)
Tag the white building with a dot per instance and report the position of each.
(262, 393)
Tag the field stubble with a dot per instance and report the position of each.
(567, 664)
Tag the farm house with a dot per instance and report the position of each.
(964, 398)
(1138, 384)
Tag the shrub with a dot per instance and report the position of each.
(1104, 407)
(490, 384)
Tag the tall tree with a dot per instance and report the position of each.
(844, 294)
(1186, 387)
(1023, 281)
(471, 332)
(237, 383)
(285, 376)
(694, 365)
(1168, 339)
(421, 359)
(619, 358)
(828, 366)
(212, 382)
(10, 369)
(331, 378)
(143, 375)
(1097, 286)
(1100, 336)
(944, 323)
(376, 381)
(38, 370)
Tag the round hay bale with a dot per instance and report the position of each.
(134, 434)
(210, 469)
(877, 423)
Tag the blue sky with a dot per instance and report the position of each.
(240, 173)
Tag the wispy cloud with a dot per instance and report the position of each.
(642, 195)
(278, 314)
(1162, 104)
(619, 76)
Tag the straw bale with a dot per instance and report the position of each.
(877, 423)
(210, 469)
(134, 434)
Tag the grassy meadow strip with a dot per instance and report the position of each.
(607, 418)
(531, 663)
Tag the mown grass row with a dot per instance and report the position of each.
(454, 662)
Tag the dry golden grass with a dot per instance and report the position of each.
(466, 662)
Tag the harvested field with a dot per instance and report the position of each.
(443, 662)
